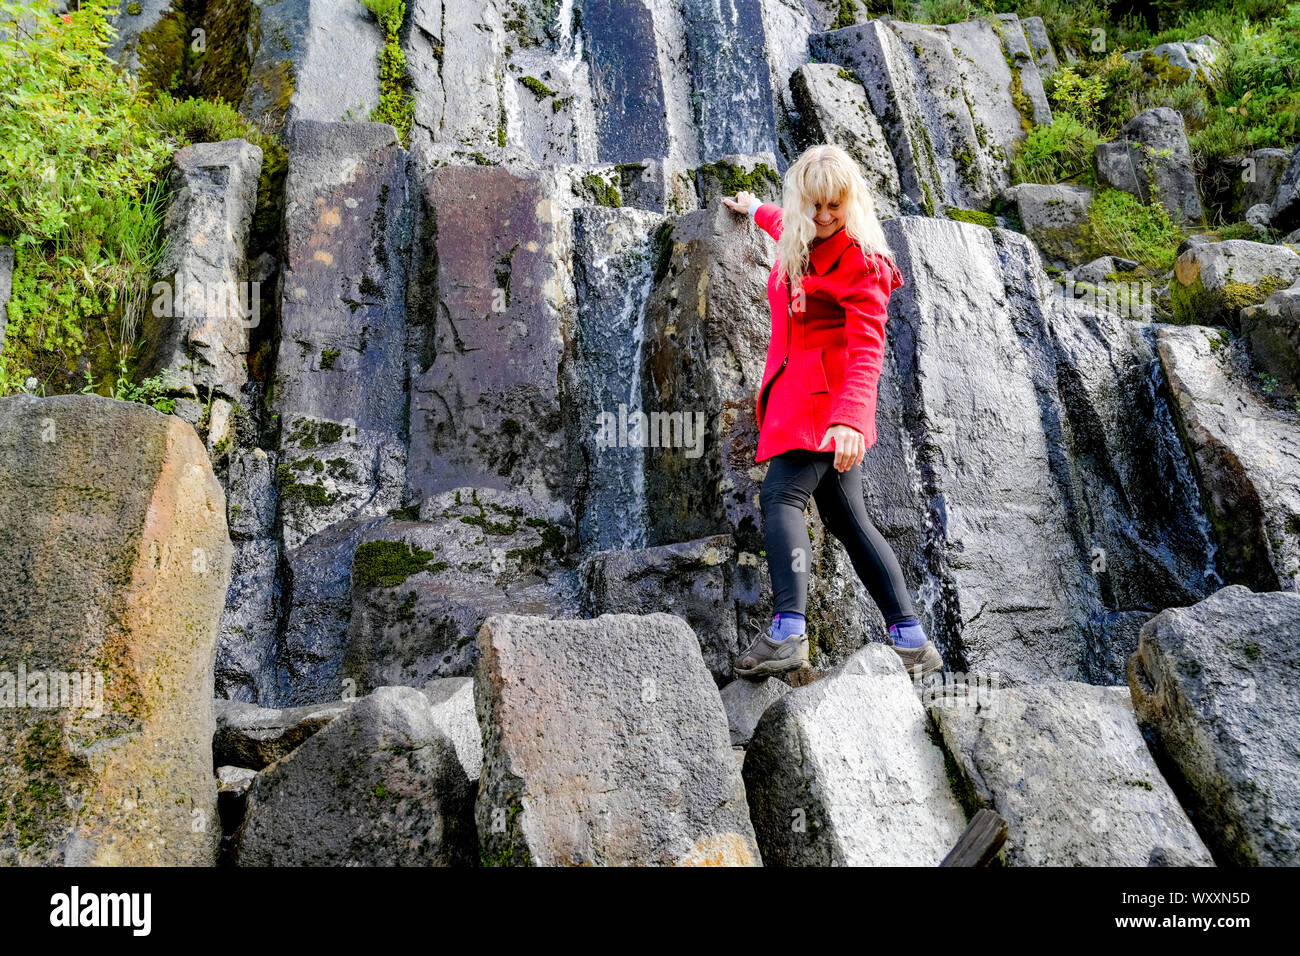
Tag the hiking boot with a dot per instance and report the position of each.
(920, 661)
(766, 656)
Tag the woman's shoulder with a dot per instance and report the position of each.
(861, 262)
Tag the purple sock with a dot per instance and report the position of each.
(907, 634)
(787, 624)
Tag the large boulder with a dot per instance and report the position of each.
(1247, 456)
(1066, 766)
(842, 772)
(380, 785)
(1178, 62)
(1214, 281)
(605, 743)
(115, 541)
(1215, 687)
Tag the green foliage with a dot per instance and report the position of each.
(152, 391)
(985, 219)
(1056, 153)
(80, 200)
(396, 104)
(1122, 225)
(389, 563)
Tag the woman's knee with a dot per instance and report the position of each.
(774, 495)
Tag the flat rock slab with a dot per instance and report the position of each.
(254, 737)
(605, 743)
(1216, 685)
(1066, 765)
(842, 772)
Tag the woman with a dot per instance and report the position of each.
(817, 402)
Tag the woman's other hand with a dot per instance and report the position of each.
(740, 203)
(850, 446)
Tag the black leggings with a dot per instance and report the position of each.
(794, 476)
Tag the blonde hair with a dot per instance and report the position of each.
(823, 174)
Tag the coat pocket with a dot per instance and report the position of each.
(817, 381)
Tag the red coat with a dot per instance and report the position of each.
(822, 366)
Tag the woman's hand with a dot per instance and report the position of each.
(850, 446)
(740, 203)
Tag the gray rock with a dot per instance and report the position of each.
(117, 561)
(311, 61)
(745, 702)
(255, 737)
(1260, 216)
(1011, 591)
(1213, 281)
(381, 785)
(1100, 270)
(834, 108)
(1255, 178)
(1247, 457)
(733, 94)
(1215, 685)
(1181, 61)
(1272, 332)
(202, 306)
(483, 552)
(828, 787)
(1056, 218)
(1152, 160)
(250, 494)
(605, 743)
(245, 666)
(1066, 766)
(1040, 43)
(453, 708)
(1286, 204)
(132, 29)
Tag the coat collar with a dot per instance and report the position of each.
(823, 255)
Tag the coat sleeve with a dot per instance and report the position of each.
(865, 300)
(768, 216)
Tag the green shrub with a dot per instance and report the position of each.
(1122, 225)
(79, 195)
(1056, 153)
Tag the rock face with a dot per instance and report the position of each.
(1215, 685)
(605, 743)
(115, 537)
(1214, 281)
(953, 101)
(381, 785)
(843, 773)
(203, 305)
(1247, 457)
(1066, 766)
